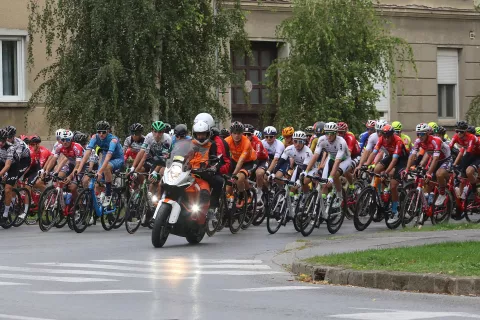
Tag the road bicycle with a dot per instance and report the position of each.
(140, 207)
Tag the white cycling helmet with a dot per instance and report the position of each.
(171, 132)
(258, 134)
(201, 127)
(422, 127)
(269, 131)
(330, 127)
(299, 135)
(66, 135)
(380, 124)
(205, 117)
(58, 133)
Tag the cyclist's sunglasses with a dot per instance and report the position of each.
(248, 134)
(269, 137)
(460, 131)
(237, 132)
(66, 140)
(102, 131)
(159, 131)
(397, 132)
(421, 134)
(330, 133)
(298, 141)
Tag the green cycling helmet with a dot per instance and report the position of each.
(397, 126)
(477, 131)
(158, 126)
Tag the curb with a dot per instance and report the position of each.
(391, 280)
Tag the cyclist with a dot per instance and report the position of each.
(364, 136)
(309, 131)
(112, 156)
(243, 157)
(14, 160)
(274, 149)
(39, 156)
(477, 131)
(397, 127)
(258, 134)
(337, 160)
(353, 147)
(440, 155)
(133, 143)
(287, 134)
(371, 143)
(435, 126)
(262, 159)
(392, 164)
(318, 127)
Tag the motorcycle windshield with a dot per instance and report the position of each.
(181, 148)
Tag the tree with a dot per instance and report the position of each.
(133, 60)
(473, 113)
(338, 50)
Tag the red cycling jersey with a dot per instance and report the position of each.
(262, 153)
(432, 145)
(395, 146)
(469, 141)
(130, 153)
(74, 152)
(352, 144)
(41, 156)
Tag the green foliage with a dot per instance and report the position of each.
(338, 50)
(134, 60)
(473, 113)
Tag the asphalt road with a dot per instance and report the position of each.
(114, 275)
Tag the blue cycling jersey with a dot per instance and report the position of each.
(363, 139)
(111, 144)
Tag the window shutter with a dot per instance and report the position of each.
(383, 104)
(447, 66)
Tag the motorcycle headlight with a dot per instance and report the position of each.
(174, 172)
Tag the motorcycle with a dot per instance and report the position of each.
(181, 212)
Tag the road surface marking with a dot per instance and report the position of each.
(403, 315)
(285, 288)
(207, 260)
(91, 292)
(14, 317)
(13, 284)
(48, 278)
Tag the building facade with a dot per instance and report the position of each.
(444, 35)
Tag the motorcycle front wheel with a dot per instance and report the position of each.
(161, 228)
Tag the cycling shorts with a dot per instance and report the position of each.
(344, 166)
(400, 166)
(17, 169)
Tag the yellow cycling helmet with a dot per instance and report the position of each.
(477, 131)
(433, 125)
(288, 131)
(397, 126)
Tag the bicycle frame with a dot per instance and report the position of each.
(99, 210)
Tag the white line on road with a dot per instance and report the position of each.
(13, 284)
(14, 317)
(48, 278)
(175, 262)
(90, 292)
(209, 260)
(285, 288)
(403, 315)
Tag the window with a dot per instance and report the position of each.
(383, 103)
(12, 66)
(447, 79)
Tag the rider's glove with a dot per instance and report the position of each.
(330, 180)
(372, 166)
(132, 169)
(41, 172)
(271, 177)
(268, 173)
(298, 183)
(303, 174)
(155, 175)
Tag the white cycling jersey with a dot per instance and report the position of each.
(336, 150)
(275, 149)
(300, 157)
(372, 141)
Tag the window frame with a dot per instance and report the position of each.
(456, 107)
(21, 66)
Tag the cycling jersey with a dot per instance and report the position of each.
(155, 148)
(109, 145)
(363, 138)
(301, 157)
(394, 147)
(73, 153)
(257, 145)
(406, 141)
(314, 143)
(132, 147)
(40, 156)
(372, 141)
(352, 144)
(274, 150)
(242, 150)
(336, 150)
(224, 151)
(469, 142)
(16, 151)
(433, 145)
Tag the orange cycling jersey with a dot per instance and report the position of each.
(243, 149)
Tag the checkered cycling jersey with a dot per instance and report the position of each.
(18, 150)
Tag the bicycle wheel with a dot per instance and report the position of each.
(298, 210)
(353, 197)
(83, 211)
(365, 209)
(62, 221)
(472, 209)
(123, 212)
(251, 209)
(396, 223)
(277, 212)
(15, 210)
(32, 216)
(108, 219)
(336, 215)
(25, 200)
(261, 213)
(441, 214)
(48, 209)
(135, 211)
(411, 208)
(309, 216)
(237, 214)
(223, 212)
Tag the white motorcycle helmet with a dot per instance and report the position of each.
(201, 127)
(205, 117)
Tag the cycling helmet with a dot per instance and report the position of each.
(319, 126)
(34, 139)
(387, 130)
(342, 127)
(331, 127)
(433, 125)
(136, 127)
(158, 126)
(237, 127)
(288, 131)
(180, 130)
(477, 131)
(397, 125)
(3, 134)
(11, 131)
(67, 135)
(299, 135)
(201, 127)
(309, 130)
(269, 131)
(462, 125)
(215, 132)
(471, 129)
(171, 132)
(24, 138)
(441, 131)
(205, 117)
(58, 133)
(103, 125)
(248, 128)
(224, 132)
(371, 124)
(422, 127)
(80, 138)
(258, 134)
(168, 127)
(379, 124)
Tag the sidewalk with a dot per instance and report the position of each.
(297, 251)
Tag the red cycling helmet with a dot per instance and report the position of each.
(342, 127)
(387, 130)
